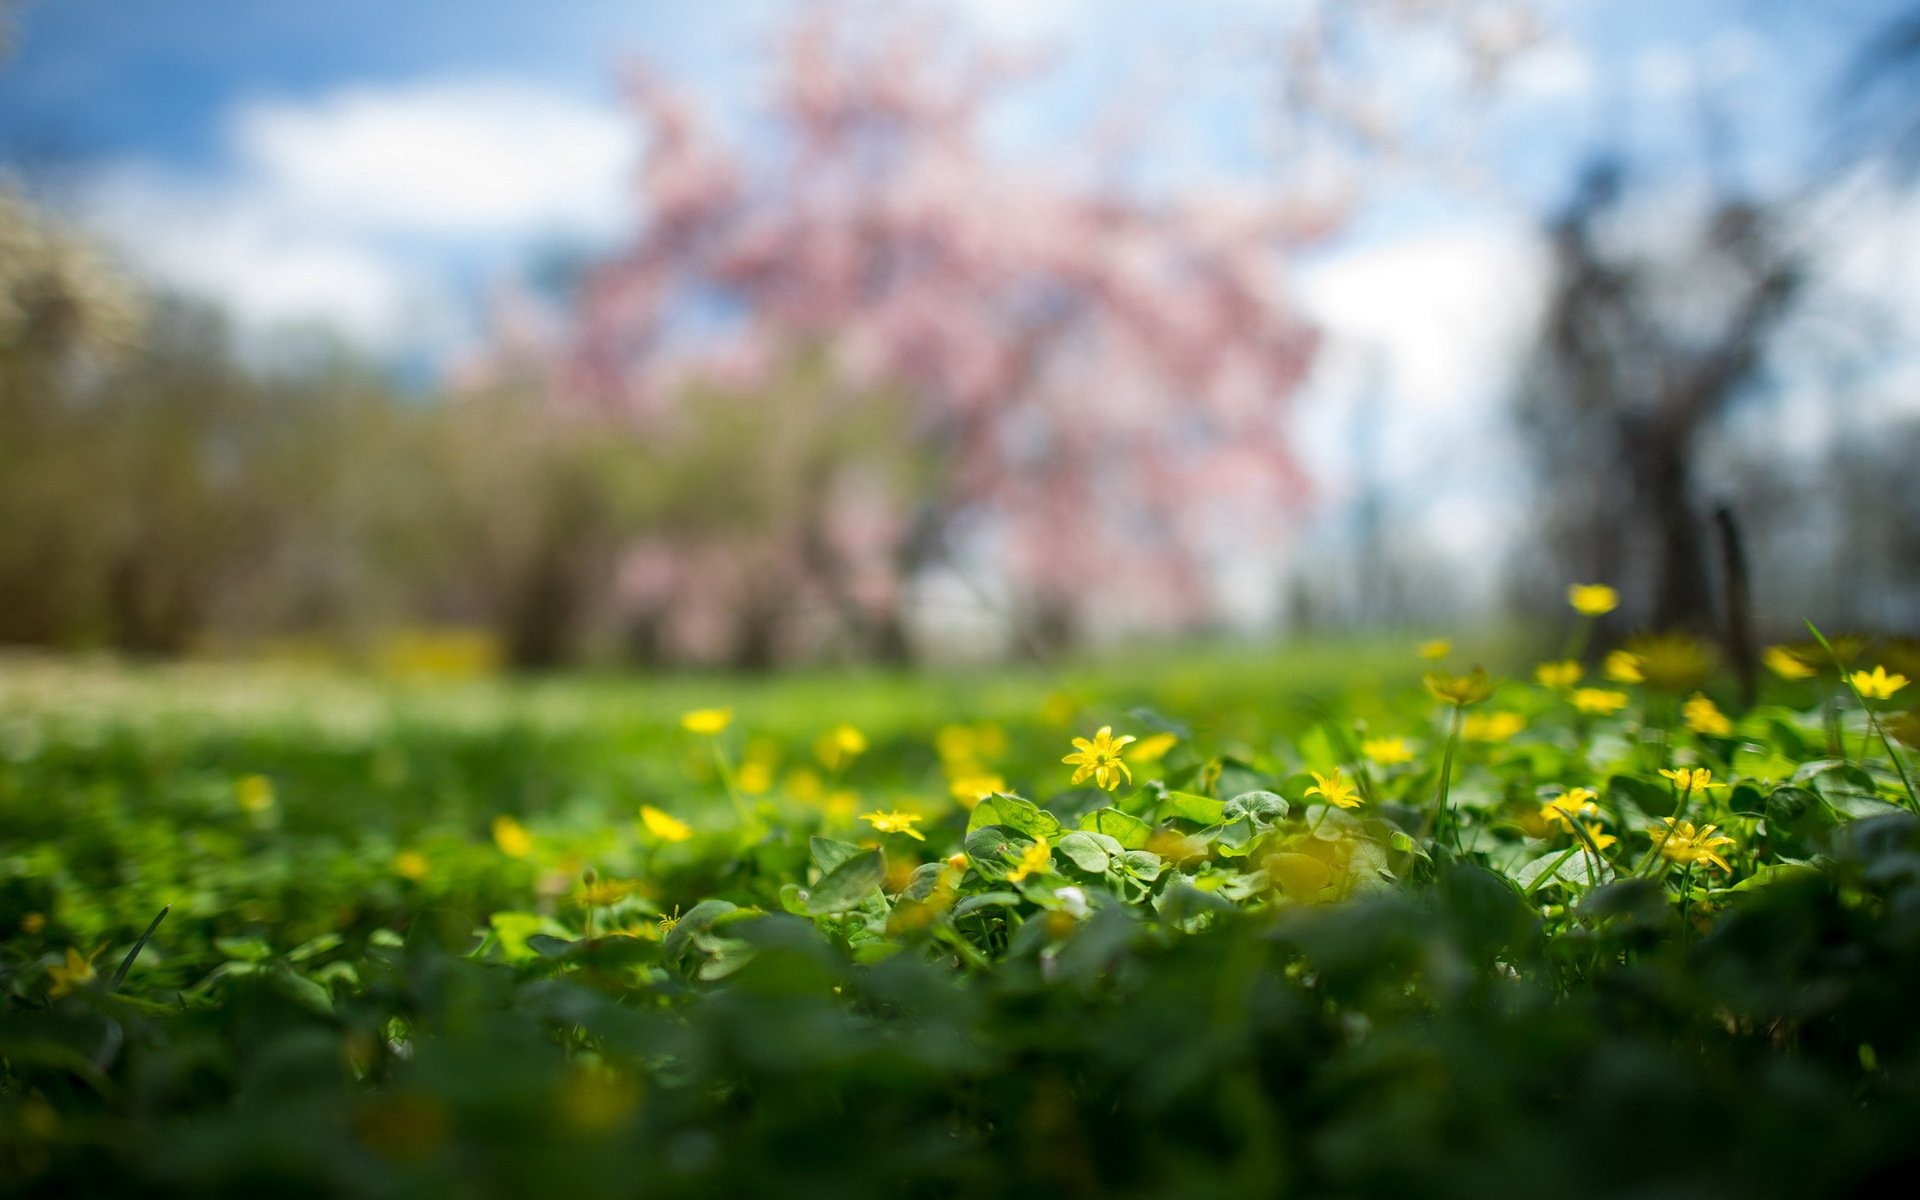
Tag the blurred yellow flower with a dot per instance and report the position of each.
(512, 837)
(1098, 759)
(75, 972)
(1673, 661)
(255, 793)
(1785, 663)
(1624, 666)
(1600, 838)
(970, 790)
(1059, 709)
(803, 785)
(1681, 843)
(33, 923)
(1387, 751)
(1334, 790)
(754, 778)
(1153, 748)
(840, 746)
(955, 743)
(665, 826)
(707, 721)
(1434, 650)
(895, 822)
(1576, 802)
(411, 864)
(1692, 779)
(1559, 675)
(1877, 684)
(1492, 727)
(603, 893)
(1459, 690)
(1032, 861)
(1598, 702)
(1593, 599)
(1702, 717)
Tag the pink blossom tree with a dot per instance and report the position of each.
(916, 357)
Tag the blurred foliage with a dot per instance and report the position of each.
(471, 938)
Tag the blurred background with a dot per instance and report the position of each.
(470, 333)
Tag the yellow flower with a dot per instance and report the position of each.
(1692, 779)
(1032, 861)
(411, 864)
(1702, 717)
(895, 822)
(1598, 702)
(255, 793)
(604, 893)
(1682, 843)
(1434, 650)
(75, 972)
(707, 721)
(1154, 748)
(956, 743)
(1624, 666)
(840, 746)
(1492, 727)
(665, 826)
(1559, 675)
(1786, 664)
(1600, 837)
(970, 790)
(1334, 790)
(1673, 661)
(512, 837)
(1387, 751)
(1593, 599)
(1877, 684)
(33, 923)
(754, 778)
(1098, 759)
(803, 785)
(1576, 802)
(1459, 690)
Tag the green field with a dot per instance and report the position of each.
(1330, 933)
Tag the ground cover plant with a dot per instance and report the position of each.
(1361, 922)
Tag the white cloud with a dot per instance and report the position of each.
(353, 210)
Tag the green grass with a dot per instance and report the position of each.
(419, 939)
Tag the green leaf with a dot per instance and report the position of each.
(1262, 808)
(1091, 852)
(1192, 806)
(697, 920)
(1130, 831)
(828, 854)
(1015, 813)
(848, 884)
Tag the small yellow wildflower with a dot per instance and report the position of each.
(803, 785)
(1624, 666)
(1492, 727)
(1593, 599)
(1681, 843)
(1600, 838)
(840, 746)
(1459, 690)
(411, 864)
(1703, 718)
(1598, 702)
(75, 972)
(838, 805)
(1334, 790)
(604, 893)
(1786, 664)
(754, 778)
(970, 790)
(512, 837)
(665, 826)
(1674, 661)
(1387, 751)
(1098, 759)
(956, 744)
(1033, 860)
(1691, 779)
(1434, 650)
(1877, 684)
(895, 822)
(668, 921)
(1559, 675)
(957, 862)
(33, 923)
(1575, 802)
(708, 722)
(1154, 747)
(255, 793)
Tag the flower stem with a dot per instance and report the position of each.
(1435, 818)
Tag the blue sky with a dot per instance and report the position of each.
(375, 166)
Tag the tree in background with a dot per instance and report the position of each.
(1036, 382)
